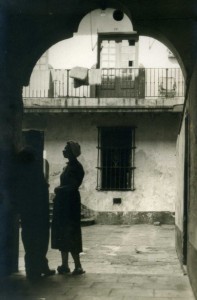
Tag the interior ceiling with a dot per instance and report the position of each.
(140, 9)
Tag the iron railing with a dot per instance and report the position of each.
(108, 83)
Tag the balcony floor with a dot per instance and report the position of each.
(53, 105)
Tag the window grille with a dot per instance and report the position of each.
(116, 157)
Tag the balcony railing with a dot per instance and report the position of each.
(137, 83)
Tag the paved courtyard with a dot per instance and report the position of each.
(135, 262)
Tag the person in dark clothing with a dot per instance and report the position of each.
(33, 207)
(66, 227)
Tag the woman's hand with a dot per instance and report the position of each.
(61, 188)
(56, 190)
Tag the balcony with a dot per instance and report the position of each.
(128, 89)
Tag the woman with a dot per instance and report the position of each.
(66, 227)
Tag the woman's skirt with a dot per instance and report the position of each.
(66, 227)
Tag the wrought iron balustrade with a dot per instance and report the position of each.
(139, 83)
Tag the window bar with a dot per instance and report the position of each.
(118, 169)
(98, 161)
(133, 156)
(104, 180)
(124, 164)
(108, 173)
(121, 168)
(126, 169)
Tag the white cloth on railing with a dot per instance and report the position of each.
(80, 76)
(94, 77)
(79, 73)
(83, 76)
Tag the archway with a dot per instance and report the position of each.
(24, 50)
(141, 153)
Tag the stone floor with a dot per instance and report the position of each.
(135, 262)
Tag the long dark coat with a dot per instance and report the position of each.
(32, 199)
(66, 229)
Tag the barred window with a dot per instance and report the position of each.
(116, 154)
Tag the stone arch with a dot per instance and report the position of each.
(37, 26)
(171, 47)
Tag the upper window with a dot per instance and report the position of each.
(116, 147)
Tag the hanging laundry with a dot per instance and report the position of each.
(79, 73)
(94, 77)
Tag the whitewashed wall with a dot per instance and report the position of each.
(180, 178)
(155, 174)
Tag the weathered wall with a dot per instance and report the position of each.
(192, 205)
(179, 202)
(154, 157)
(180, 150)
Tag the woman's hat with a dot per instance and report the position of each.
(75, 148)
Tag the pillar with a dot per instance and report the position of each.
(192, 205)
(10, 138)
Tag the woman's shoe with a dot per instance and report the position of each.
(78, 271)
(63, 270)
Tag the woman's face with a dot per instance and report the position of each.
(66, 152)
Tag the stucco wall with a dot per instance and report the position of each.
(192, 205)
(155, 159)
(180, 154)
(180, 229)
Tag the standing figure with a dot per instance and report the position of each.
(66, 224)
(33, 207)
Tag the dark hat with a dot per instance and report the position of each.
(75, 148)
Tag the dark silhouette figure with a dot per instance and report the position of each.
(66, 227)
(33, 207)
